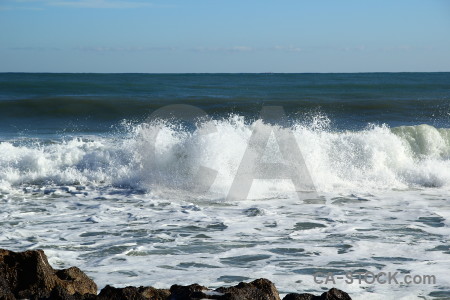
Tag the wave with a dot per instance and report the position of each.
(377, 157)
(134, 107)
(74, 107)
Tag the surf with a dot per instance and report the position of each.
(375, 158)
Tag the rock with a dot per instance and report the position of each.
(5, 291)
(29, 275)
(60, 293)
(133, 293)
(305, 296)
(6, 295)
(112, 293)
(259, 289)
(26, 274)
(332, 294)
(335, 294)
(155, 294)
(75, 281)
(193, 291)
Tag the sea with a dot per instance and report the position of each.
(128, 177)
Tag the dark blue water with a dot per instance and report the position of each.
(49, 104)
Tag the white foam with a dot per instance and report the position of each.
(104, 205)
(377, 158)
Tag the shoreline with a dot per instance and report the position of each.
(28, 275)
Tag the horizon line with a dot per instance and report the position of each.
(217, 73)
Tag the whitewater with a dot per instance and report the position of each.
(100, 202)
(376, 158)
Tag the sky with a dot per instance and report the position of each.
(215, 36)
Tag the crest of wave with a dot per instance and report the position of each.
(371, 159)
(164, 155)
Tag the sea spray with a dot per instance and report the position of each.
(377, 157)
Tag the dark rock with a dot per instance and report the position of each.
(294, 296)
(189, 292)
(154, 294)
(332, 294)
(133, 293)
(112, 293)
(259, 289)
(29, 275)
(26, 274)
(60, 293)
(5, 291)
(75, 281)
(335, 294)
(6, 294)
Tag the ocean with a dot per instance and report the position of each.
(101, 170)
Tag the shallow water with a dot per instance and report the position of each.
(136, 239)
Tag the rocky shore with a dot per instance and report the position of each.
(28, 275)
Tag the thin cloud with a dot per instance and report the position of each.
(22, 4)
(224, 49)
(11, 5)
(99, 4)
(288, 48)
(401, 48)
(94, 49)
(240, 49)
(103, 49)
(357, 48)
(34, 48)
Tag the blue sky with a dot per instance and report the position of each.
(159, 36)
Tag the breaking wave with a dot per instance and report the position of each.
(377, 157)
